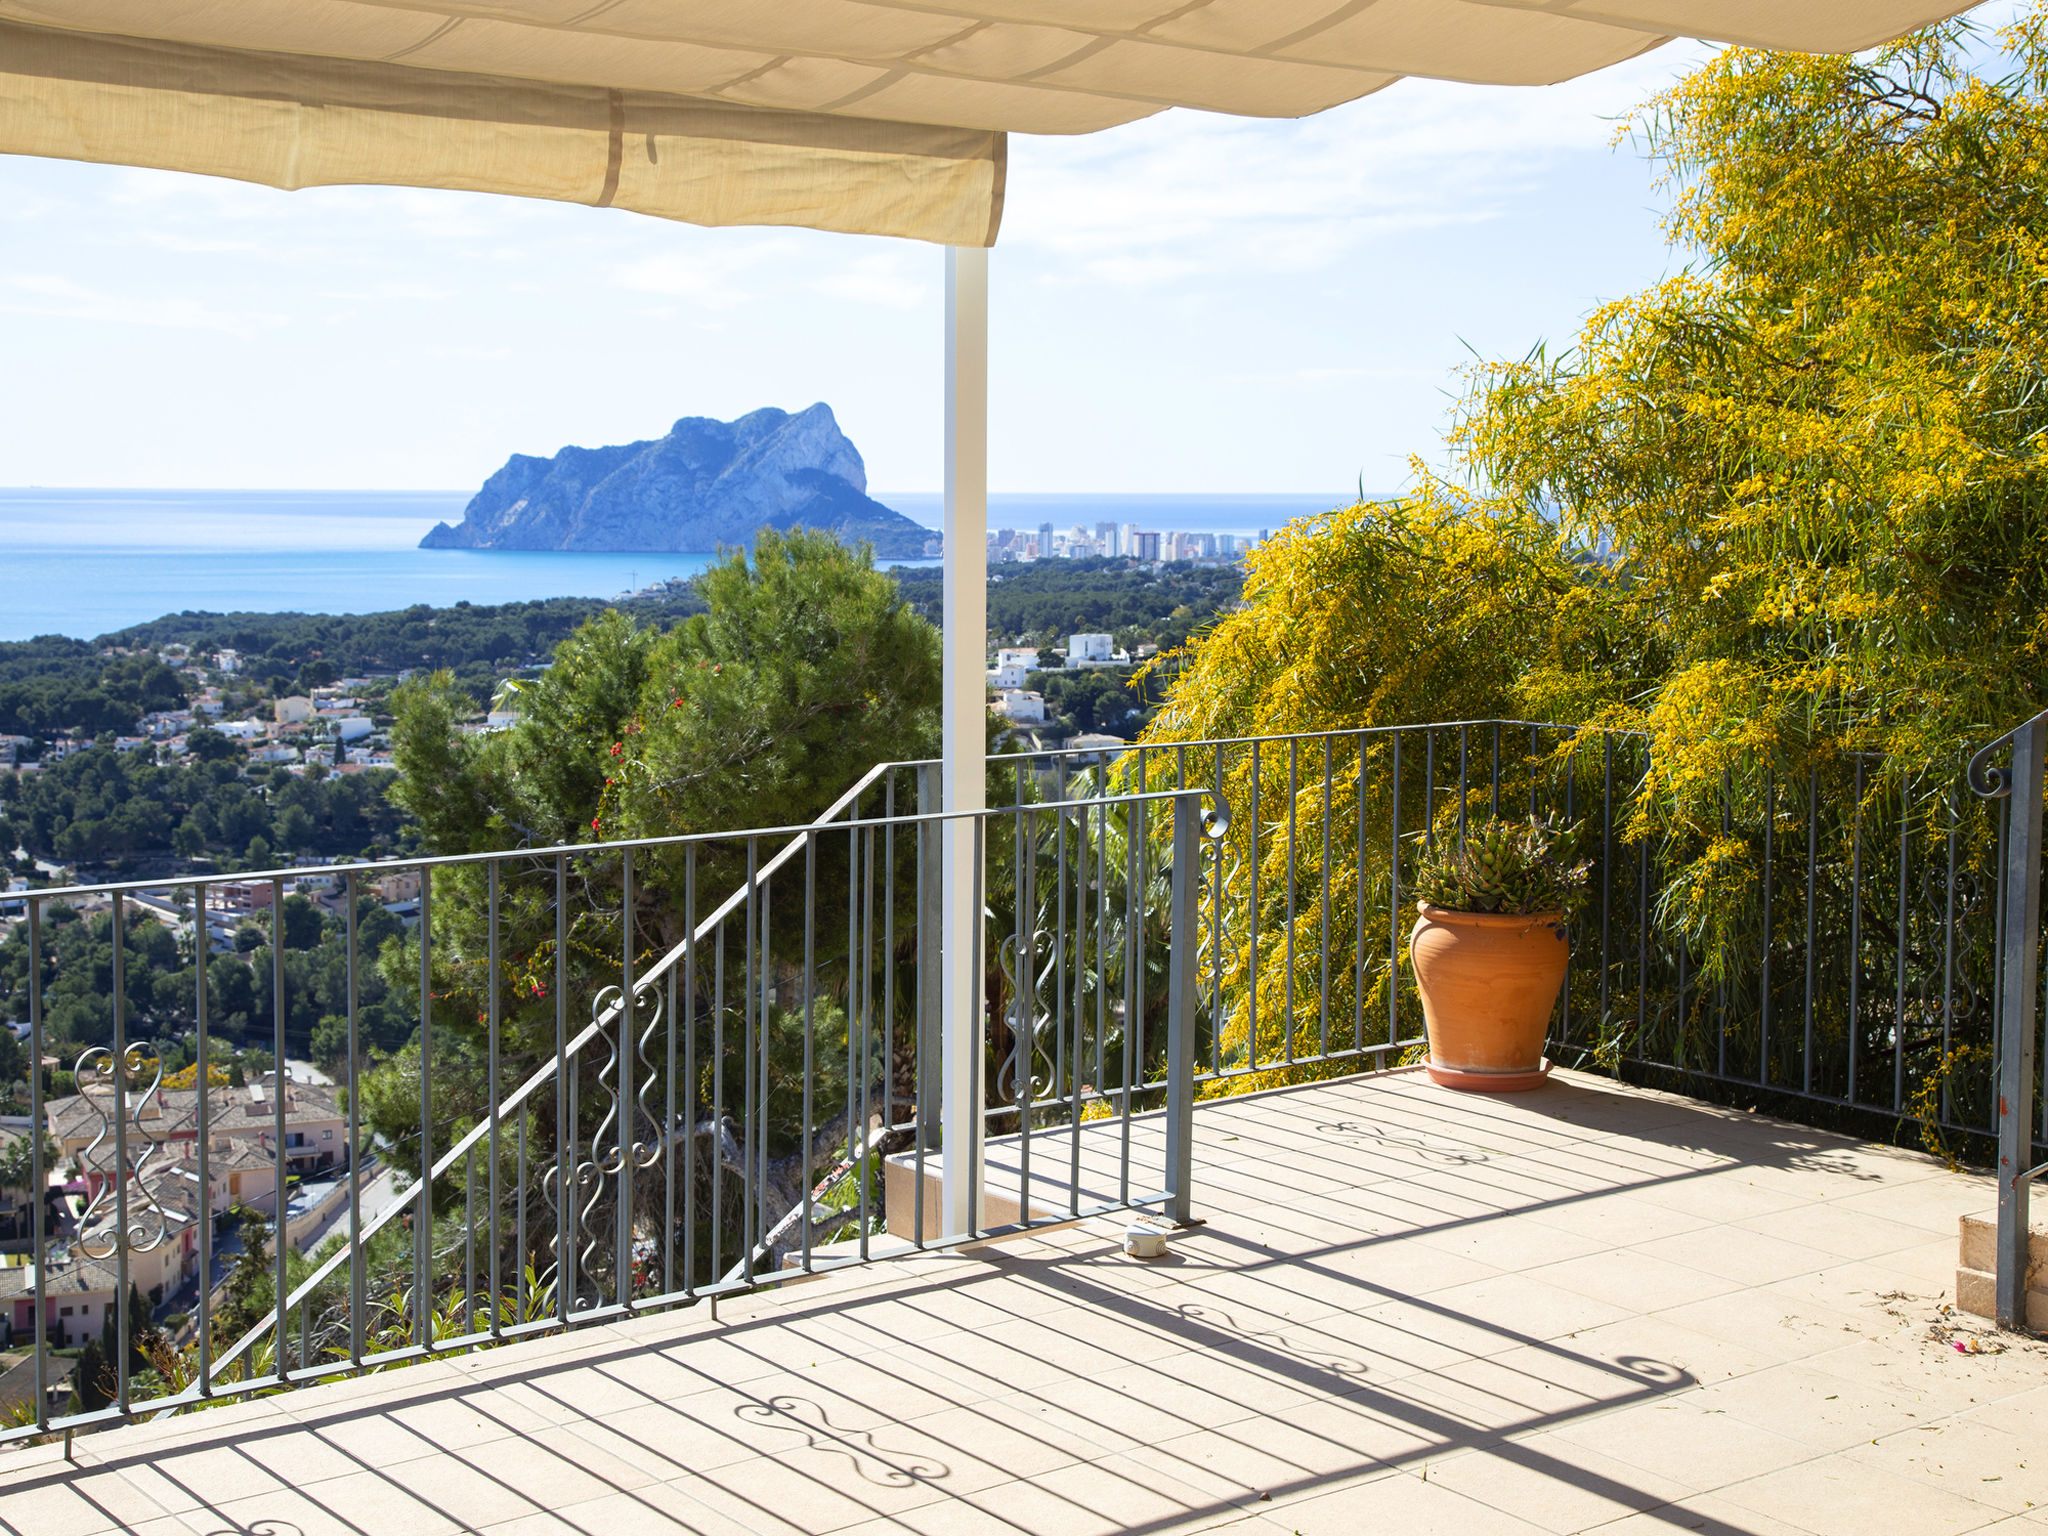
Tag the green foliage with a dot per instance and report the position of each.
(102, 804)
(1783, 514)
(804, 670)
(51, 685)
(1815, 454)
(1521, 867)
(92, 1379)
(1099, 699)
(478, 643)
(17, 1165)
(77, 962)
(1049, 600)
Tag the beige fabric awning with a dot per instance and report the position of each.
(872, 116)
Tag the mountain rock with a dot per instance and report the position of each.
(706, 485)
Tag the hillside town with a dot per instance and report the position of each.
(218, 1152)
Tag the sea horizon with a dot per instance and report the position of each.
(85, 562)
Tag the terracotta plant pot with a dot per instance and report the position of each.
(1488, 981)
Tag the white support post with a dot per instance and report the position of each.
(965, 730)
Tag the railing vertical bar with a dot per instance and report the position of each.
(119, 937)
(867, 1008)
(749, 1005)
(977, 1123)
(1323, 1018)
(668, 1139)
(1251, 972)
(1429, 782)
(810, 1119)
(469, 1241)
(1080, 1006)
(1358, 946)
(716, 1156)
(1900, 948)
(351, 945)
(627, 1124)
(1134, 967)
(1948, 959)
(1464, 789)
(1217, 907)
(1293, 841)
(689, 1003)
(1182, 948)
(495, 1068)
(920, 1065)
(565, 1106)
(1394, 898)
(522, 1293)
(41, 1175)
(1681, 1051)
(423, 1211)
(2004, 814)
(1026, 1043)
(1812, 866)
(1571, 803)
(1642, 938)
(282, 1093)
(1763, 1001)
(765, 971)
(1856, 933)
(202, 1105)
(1494, 808)
(889, 952)
(1721, 985)
(1059, 929)
(1606, 879)
(1101, 936)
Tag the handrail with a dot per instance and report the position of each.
(678, 839)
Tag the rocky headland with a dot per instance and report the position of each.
(706, 485)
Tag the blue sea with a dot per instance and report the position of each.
(86, 562)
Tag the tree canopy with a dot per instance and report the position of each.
(1792, 495)
(1783, 514)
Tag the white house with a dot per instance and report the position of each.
(295, 710)
(1083, 649)
(1021, 707)
(1008, 675)
(353, 727)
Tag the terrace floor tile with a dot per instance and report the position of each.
(1586, 1308)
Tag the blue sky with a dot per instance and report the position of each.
(1189, 303)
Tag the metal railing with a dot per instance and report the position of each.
(721, 1121)
(644, 1074)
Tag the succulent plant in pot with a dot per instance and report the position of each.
(1489, 949)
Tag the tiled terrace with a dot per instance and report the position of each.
(1583, 1309)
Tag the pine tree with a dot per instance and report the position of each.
(92, 1384)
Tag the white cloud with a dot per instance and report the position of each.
(61, 298)
(1232, 194)
(884, 278)
(708, 274)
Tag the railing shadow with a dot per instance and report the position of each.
(914, 1391)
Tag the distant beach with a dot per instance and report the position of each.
(86, 562)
